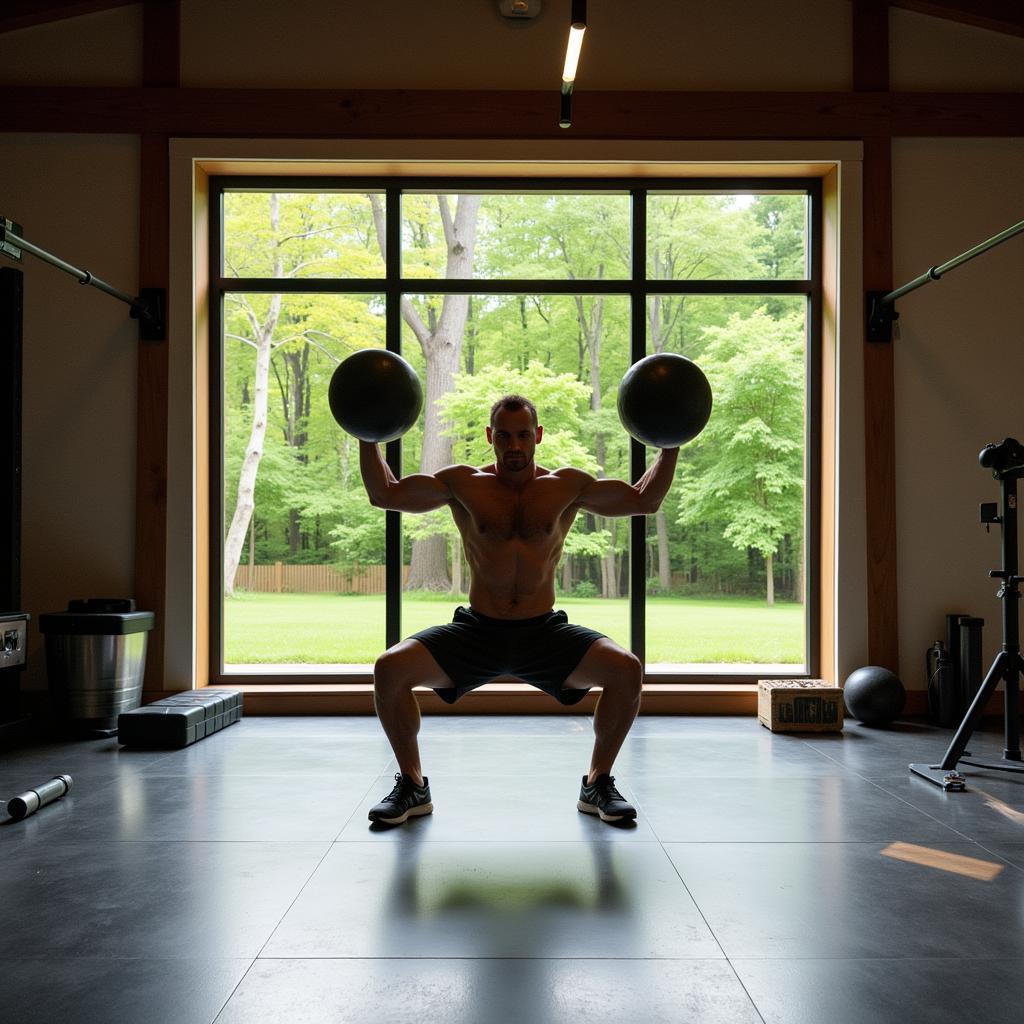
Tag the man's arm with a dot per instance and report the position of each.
(418, 492)
(617, 498)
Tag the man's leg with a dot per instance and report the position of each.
(620, 676)
(396, 672)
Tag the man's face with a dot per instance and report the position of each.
(514, 438)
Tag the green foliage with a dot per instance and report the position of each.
(749, 460)
(559, 399)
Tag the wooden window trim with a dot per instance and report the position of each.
(665, 694)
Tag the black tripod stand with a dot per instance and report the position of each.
(1006, 460)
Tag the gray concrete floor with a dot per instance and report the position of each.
(238, 880)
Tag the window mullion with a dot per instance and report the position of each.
(393, 449)
(637, 454)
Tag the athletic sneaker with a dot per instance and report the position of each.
(601, 797)
(405, 799)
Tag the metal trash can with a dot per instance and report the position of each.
(95, 661)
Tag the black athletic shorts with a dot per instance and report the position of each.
(474, 649)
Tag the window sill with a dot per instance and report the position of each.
(310, 698)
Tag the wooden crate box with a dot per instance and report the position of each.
(800, 705)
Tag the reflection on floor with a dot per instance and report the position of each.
(768, 878)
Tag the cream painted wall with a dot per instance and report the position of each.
(94, 49)
(959, 377)
(782, 44)
(77, 197)
(465, 44)
(931, 53)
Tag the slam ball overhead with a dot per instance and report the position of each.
(664, 400)
(375, 395)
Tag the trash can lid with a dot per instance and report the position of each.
(96, 623)
(102, 604)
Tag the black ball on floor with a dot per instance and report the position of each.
(874, 695)
(664, 400)
(375, 395)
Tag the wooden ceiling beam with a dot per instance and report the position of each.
(326, 113)
(1006, 16)
(17, 14)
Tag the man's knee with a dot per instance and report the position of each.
(622, 671)
(632, 674)
(392, 670)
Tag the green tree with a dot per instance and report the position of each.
(751, 452)
(781, 244)
(691, 237)
(293, 342)
(440, 336)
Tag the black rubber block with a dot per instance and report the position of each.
(179, 720)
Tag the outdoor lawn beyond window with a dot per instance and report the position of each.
(548, 289)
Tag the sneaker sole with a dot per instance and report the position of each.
(593, 809)
(419, 809)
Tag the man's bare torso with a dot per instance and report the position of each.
(512, 535)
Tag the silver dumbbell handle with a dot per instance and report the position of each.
(28, 803)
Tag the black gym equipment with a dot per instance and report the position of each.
(953, 670)
(874, 695)
(179, 720)
(375, 395)
(664, 400)
(1006, 460)
(881, 312)
(147, 307)
(13, 624)
(26, 804)
(940, 674)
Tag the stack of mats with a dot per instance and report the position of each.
(179, 720)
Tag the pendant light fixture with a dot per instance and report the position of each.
(577, 26)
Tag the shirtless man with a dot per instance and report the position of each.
(513, 516)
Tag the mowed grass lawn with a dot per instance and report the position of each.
(284, 629)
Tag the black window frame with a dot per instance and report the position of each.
(638, 287)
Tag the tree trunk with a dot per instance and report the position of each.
(769, 569)
(664, 566)
(567, 575)
(245, 503)
(456, 566)
(441, 342)
(428, 567)
(442, 350)
(295, 396)
(252, 550)
(592, 330)
(662, 319)
(608, 575)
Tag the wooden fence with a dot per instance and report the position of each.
(311, 579)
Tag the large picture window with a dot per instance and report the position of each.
(548, 288)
